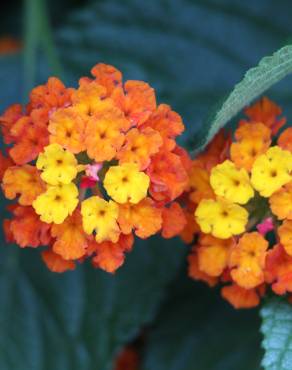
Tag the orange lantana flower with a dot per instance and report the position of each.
(110, 256)
(26, 228)
(266, 112)
(139, 147)
(104, 135)
(137, 100)
(278, 270)
(285, 235)
(195, 273)
(247, 260)
(107, 76)
(285, 139)
(143, 218)
(55, 262)
(281, 202)
(168, 176)
(213, 254)
(239, 297)
(173, 220)
(168, 123)
(71, 241)
(67, 128)
(199, 182)
(24, 181)
(50, 96)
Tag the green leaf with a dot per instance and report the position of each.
(80, 319)
(256, 81)
(198, 330)
(276, 328)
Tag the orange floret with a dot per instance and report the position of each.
(285, 235)
(24, 181)
(91, 98)
(191, 228)
(144, 218)
(285, 139)
(281, 202)
(168, 176)
(239, 297)
(216, 151)
(71, 240)
(31, 136)
(5, 162)
(139, 147)
(244, 153)
(110, 256)
(253, 131)
(168, 123)
(107, 76)
(56, 263)
(49, 96)
(173, 220)
(27, 229)
(67, 128)
(104, 135)
(8, 119)
(195, 273)
(267, 112)
(213, 254)
(137, 100)
(247, 260)
(278, 271)
(253, 139)
(199, 183)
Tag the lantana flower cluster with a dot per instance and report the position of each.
(91, 167)
(240, 194)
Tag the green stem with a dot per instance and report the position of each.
(37, 34)
(31, 41)
(47, 40)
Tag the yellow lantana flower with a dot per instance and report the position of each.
(57, 203)
(100, 216)
(271, 171)
(231, 183)
(221, 218)
(126, 183)
(58, 165)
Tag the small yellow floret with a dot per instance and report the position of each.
(57, 203)
(271, 171)
(58, 165)
(231, 183)
(100, 216)
(126, 183)
(221, 218)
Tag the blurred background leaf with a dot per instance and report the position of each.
(196, 329)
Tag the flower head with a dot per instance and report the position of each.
(90, 167)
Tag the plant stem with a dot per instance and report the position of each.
(37, 35)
